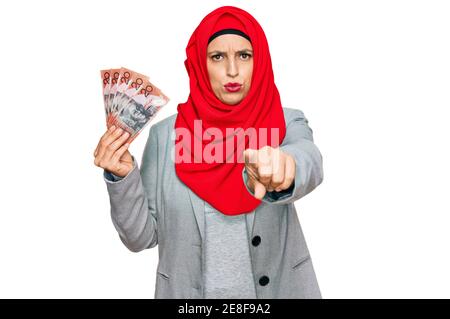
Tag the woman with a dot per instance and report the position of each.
(226, 228)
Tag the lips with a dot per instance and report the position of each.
(233, 86)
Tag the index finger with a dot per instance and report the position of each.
(251, 157)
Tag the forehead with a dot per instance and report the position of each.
(227, 42)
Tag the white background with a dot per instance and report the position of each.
(372, 77)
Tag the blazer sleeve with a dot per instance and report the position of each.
(299, 143)
(114, 178)
(133, 201)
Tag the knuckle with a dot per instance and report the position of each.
(264, 172)
(110, 147)
(277, 179)
(289, 181)
(291, 159)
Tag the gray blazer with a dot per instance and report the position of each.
(145, 212)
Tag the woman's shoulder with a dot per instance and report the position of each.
(292, 113)
(166, 123)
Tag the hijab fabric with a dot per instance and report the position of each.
(220, 183)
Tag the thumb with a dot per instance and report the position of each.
(260, 190)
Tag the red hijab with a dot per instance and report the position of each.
(220, 183)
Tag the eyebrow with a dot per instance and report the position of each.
(240, 51)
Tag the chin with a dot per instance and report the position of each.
(232, 101)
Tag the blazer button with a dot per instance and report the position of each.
(264, 280)
(256, 241)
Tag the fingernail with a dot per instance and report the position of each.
(126, 134)
(112, 128)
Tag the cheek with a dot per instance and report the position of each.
(248, 70)
(214, 73)
(248, 76)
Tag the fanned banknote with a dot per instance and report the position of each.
(131, 100)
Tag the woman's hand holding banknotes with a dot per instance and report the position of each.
(112, 154)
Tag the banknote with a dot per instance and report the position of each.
(131, 100)
(109, 79)
(106, 82)
(130, 83)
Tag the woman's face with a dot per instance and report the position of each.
(230, 66)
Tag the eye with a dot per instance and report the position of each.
(216, 57)
(245, 56)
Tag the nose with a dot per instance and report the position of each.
(232, 68)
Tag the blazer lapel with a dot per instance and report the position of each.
(249, 221)
(198, 206)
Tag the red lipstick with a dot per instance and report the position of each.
(233, 86)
